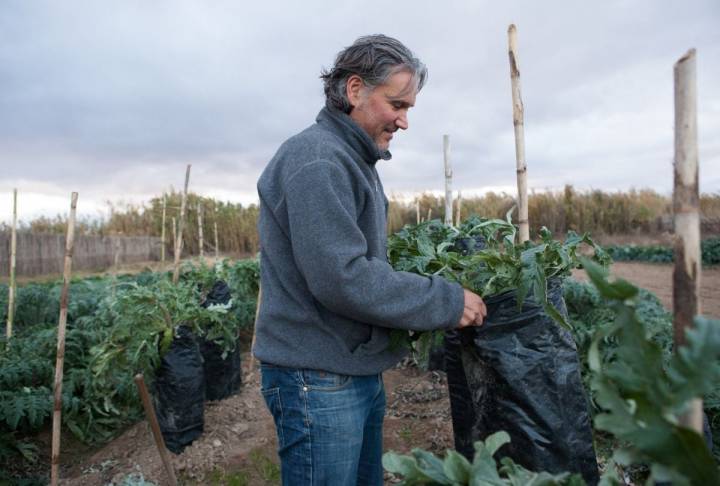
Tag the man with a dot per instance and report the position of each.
(329, 297)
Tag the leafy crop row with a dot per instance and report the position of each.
(709, 249)
(116, 328)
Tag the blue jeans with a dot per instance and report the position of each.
(329, 426)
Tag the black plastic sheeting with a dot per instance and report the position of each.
(223, 376)
(180, 392)
(519, 372)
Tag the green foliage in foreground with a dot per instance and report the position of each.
(589, 312)
(641, 392)
(482, 255)
(709, 251)
(422, 467)
(642, 397)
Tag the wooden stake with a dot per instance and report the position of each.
(217, 245)
(201, 243)
(60, 361)
(115, 266)
(518, 122)
(429, 214)
(162, 231)
(686, 204)
(459, 209)
(417, 210)
(178, 241)
(155, 428)
(12, 288)
(174, 231)
(257, 312)
(448, 180)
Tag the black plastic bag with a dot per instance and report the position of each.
(520, 373)
(223, 376)
(180, 392)
(436, 358)
(219, 294)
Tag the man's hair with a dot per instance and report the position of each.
(374, 58)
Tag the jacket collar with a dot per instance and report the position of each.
(345, 127)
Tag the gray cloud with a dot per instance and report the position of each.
(115, 98)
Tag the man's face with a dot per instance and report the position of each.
(381, 111)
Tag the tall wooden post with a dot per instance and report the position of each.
(417, 210)
(448, 181)
(162, 230)
(60, 360)
(217, 244)
(686, 204)
(155, 428)
(12, 287)
(518, 122)
(174, 232)
(459, 209)
(201, 242)
(115, 264)
(178, 241)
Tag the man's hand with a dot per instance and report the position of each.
(474, 312)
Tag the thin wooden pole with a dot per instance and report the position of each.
(162, 230)
(429, 214)
(448, 180)
(178, 241)
(257, 313)
(60, 360)
(201, 242)
(518, 122)
(217, 245)
(459, 209)
(686, 204)
(12, 287)
(155, 428)
(417, 210)
(116, 263)
(174, 232)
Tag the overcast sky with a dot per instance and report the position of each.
(113, 99)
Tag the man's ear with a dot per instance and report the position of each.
(355, 89)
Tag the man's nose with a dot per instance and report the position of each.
(402, 121)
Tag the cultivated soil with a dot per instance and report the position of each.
(238, 446)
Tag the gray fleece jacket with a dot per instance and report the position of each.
(329, 296)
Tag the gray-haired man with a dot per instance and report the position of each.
(329, 297)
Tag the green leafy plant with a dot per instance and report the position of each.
(116, 328)
(482, 255)
(642, 396)
(709, 252)
(422, 467)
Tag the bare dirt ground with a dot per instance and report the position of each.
(238, 446)
(657, 278)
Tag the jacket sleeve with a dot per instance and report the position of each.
(331, 252)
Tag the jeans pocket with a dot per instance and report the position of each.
(274, 404)
(325, 380)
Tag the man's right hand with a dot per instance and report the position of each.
(474, 312)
